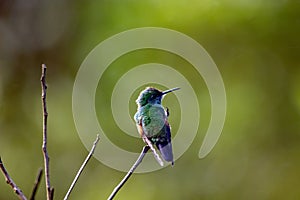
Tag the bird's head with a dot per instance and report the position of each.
(152, 95)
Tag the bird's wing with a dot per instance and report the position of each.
(164, 143)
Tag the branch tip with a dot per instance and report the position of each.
(82, 167)
(9, 181)
(36, 183)
(130, 172)
(45, 134)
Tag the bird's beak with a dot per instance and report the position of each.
(170, 90)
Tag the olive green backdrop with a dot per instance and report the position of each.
(255, 45)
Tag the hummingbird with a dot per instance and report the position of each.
(152, 121)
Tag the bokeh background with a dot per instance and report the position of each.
(255, 45)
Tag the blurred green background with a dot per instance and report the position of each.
(255, 45)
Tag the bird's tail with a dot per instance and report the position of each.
(166, 151)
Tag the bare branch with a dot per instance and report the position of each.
(82, 167)
(36, 184)
(130, 172)
(44, 147)
(11, 182)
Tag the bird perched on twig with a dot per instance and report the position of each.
(152, 122)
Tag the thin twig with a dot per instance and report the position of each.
(36, 184)
(11, 182)
(129, 173)
(82, 167)
(44, 147)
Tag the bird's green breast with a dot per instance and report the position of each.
(152, 118)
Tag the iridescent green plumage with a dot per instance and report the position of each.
(152, 120)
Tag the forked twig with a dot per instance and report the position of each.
(130, 172)
(82, 167)
(36, 184)
(49, 189)
(11, 182)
